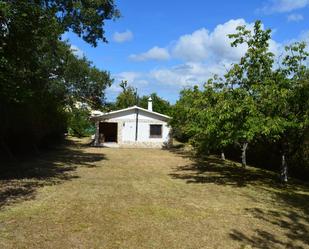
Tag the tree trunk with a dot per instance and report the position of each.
(284, 169)
(222, 155)
(97, 134)
(243, 154)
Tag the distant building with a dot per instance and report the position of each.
(132, 127)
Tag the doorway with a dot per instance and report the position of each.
(108, 132)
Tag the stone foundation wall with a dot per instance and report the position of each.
(158, 145)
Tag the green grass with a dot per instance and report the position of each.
(82, 197)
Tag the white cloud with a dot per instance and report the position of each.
(135, 79)
(203, 44)
(215, 46)
(129, 76)
(198, 72)
(154, 53)
(185, 75)
(192, 47)
(220, 43)
(282, 6)
(123, 36)
(295, 17)
(204, 53)
(77, 51)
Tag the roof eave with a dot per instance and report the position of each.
(127, 109)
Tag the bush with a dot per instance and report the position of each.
(79, 123)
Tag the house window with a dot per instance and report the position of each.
(155, 131)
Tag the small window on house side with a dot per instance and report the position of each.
(155, 131)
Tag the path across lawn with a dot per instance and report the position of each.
(83, 197)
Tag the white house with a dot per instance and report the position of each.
(132, 127)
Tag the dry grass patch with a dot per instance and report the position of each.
(82, 197)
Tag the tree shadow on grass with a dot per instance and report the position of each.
(214, 170)
(20, 180)
(289, 212)
(293, 223)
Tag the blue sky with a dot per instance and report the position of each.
(164, 46)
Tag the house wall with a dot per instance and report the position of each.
(144, 132)
(127, 129)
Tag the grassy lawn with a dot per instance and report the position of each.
(82, 197)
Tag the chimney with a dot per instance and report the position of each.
(150, 104)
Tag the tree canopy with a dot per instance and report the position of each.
(129, 97)
(159, 104)
(40, 77)
(255, 102)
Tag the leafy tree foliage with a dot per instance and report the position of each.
(83, 82)
(128, 97)
(255, 102)
(184, 113)
(39, 75)
(289, 113)
(79, 123)
(159, 105)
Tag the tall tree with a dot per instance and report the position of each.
(252, 103)
(286, 104)
(34, 64)
(128, 97)
(250, 75)
(159, 104)
(183, 114)
(84, 82)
